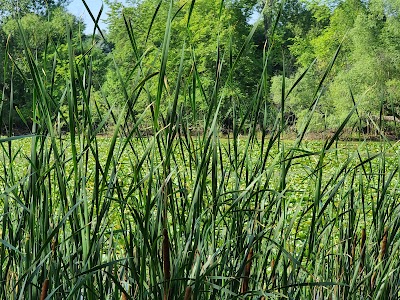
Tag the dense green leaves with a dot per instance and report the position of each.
(22, 7)
(158, 210)
(292, 35)
(47, 39)
(225, 33)
(365, 67)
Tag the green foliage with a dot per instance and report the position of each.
(224, 34)
(365, 66)
(176, 212)
(22, 7)
(47, 39)
(300, 101)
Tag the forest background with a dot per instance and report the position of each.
(306, 36)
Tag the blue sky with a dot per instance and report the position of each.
(78, 9)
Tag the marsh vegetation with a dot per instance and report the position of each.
(123, 199)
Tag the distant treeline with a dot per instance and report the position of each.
(362, 37)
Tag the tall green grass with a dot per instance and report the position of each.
(177, 215)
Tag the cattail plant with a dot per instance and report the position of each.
(246, 272)
(372, 281)
(108, 197)
(362, 249)
(188, 293)
(383, 245)
(353, 250)
(273, 274)
(381, 256)
(45, 288)
(166, 263)
(54, 244)
(124, 295)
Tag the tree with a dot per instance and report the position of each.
(207, 33)
(46, 37)
(22, 7)
(293, 20)
(365, 72)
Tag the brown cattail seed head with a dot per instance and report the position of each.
(273, 275)
(166, 263)
(45, 288)
(384, 244)
(248, 264)
(373, 278)
(54, 244)
(247, 268)
(353, 249)
(362, 249)
(165, 252)
(188, 293)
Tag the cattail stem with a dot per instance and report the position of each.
(383, 244)
(247, 268)
(45, 288)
